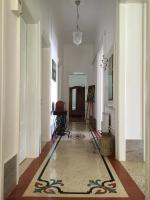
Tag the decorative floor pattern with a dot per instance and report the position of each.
(134, 163)
(32, 172)
(72, 170)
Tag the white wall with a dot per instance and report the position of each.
(39, 11)
(23, 91)
(77, 80)
(11, 72)
(77, 59)
(106, 40)
(11, 84)
(131, 36)
(33, 90)
(46, 90)
(134, 67)
(42, 11)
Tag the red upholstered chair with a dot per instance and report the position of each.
(60, 107)
(60, 120)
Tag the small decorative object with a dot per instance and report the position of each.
(53, 70)
(105, 62)
(77, 35)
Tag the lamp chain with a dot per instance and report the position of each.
(77, 22)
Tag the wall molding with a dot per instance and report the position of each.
(132, 1)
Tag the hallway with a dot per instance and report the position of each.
(79, 53)
(74, 168)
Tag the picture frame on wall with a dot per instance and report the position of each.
(53, 70)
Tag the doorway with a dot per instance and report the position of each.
(131, 102)
(30, 92)
(77, 96)
(77, 103)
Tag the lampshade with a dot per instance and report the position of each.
(77, 37)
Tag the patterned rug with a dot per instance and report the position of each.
(72, 170)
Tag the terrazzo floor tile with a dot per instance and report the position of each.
(71, 168)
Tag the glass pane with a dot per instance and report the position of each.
(74, 93)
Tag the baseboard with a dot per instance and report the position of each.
(10, 175)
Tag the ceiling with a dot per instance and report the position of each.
(94, 14)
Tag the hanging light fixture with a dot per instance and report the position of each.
(77, 35)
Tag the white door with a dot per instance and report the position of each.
(23, 91)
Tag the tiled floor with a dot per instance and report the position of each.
(81, 157)
(24, 165)
(135, 164)
(73, 170)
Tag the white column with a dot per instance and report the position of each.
(99, 90)
(121, 146)
(98, 98)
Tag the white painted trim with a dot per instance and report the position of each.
(45, 42)
(39, 43)
(132, 1)
(119, 94)
(144, 79)
(18, 93)
(45, 96)
(26, 15)
(1, 96)
(147, 184)
(116, 61)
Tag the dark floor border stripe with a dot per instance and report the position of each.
(133, 191)
(90, 190)
(106, 165)
(39, 178)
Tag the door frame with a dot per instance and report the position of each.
(119, 139)
(70, 99)
(33, 151)
(147, 135)
(22, 21)
(120, 147)
(1, 95)
(120, 100)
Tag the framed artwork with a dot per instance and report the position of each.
(91, 93)
(53, 70)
